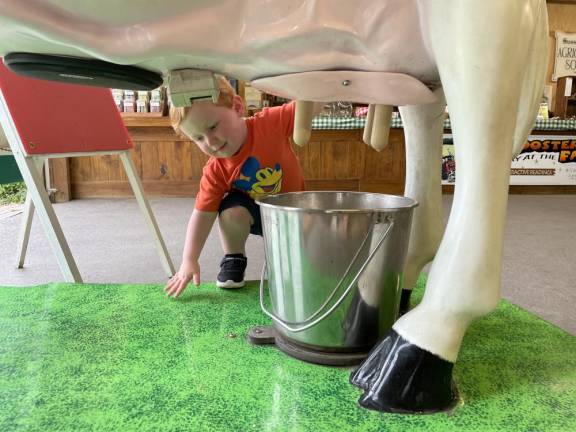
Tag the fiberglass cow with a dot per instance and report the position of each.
(485, 59)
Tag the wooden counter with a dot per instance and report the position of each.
(170, 166)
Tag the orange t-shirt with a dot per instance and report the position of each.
(265, 165)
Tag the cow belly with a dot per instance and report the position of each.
(250, 39)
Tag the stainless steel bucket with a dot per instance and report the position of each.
(334, 263)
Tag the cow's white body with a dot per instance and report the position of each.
(245, 39)
(487, 59)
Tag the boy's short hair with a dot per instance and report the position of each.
(227, 93)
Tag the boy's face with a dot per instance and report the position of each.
(218, 131)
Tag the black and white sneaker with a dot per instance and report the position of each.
(232, 269)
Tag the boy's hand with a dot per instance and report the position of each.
(188, 271)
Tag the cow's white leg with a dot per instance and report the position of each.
(531, 94)
(483, 89)
(483, 74)
(423, 130)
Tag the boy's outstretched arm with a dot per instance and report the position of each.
(199, 227)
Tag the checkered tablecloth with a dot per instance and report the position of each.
(358, 123)
(338, 123)
(550, 124)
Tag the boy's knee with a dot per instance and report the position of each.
(236, 216)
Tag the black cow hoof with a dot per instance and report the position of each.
(404, 301)
(400, 377)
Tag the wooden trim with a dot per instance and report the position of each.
(60, 179)
(343, 185)
(381, 187)
(528, 189)
(147, 121)
(542, 189)
(159, 133)
(336, 135)
(553, 132)
(120, 189)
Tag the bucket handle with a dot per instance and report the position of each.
(343, 278)
(303, 326)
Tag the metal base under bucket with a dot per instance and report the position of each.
(267, 335)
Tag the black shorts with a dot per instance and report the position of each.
(236, 198)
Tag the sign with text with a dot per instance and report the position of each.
(565, 56)
(544, 160)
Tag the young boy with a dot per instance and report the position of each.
(250, 158)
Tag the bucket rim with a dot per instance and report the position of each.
(411, 203)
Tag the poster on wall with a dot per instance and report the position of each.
(448, 161)
(544, 160)
(565, 55)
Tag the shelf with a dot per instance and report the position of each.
(145, 120)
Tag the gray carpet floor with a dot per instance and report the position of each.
(111, 244)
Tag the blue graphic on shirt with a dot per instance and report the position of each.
(258, 182)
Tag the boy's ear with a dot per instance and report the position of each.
(238, 105)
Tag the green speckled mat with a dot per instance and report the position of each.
(125, 358)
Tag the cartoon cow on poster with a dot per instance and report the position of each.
(485, 59)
